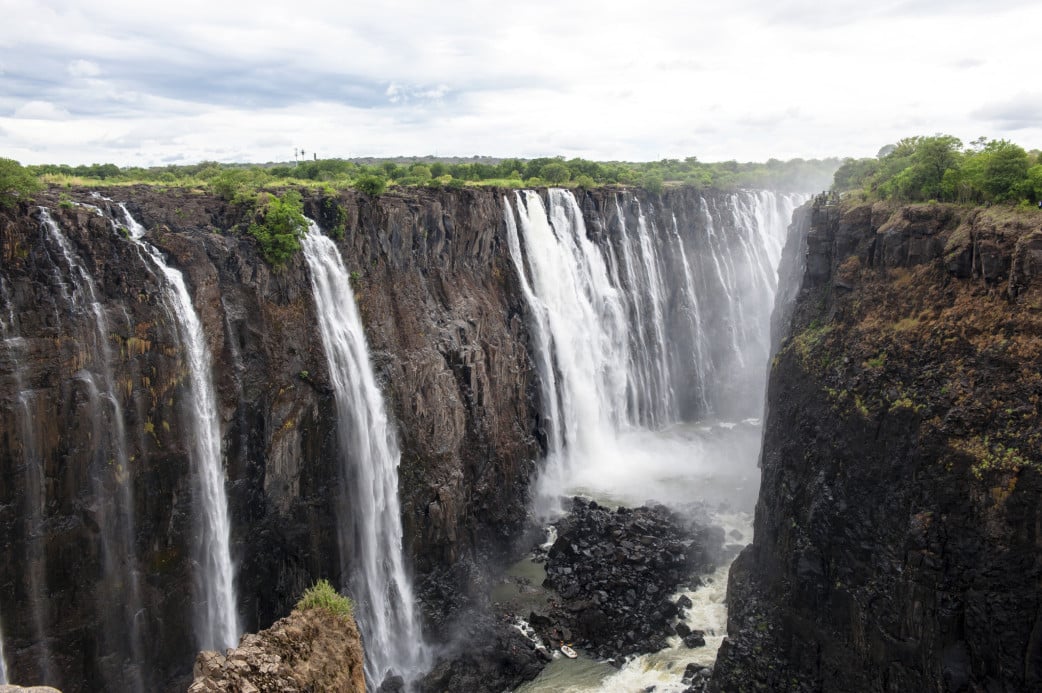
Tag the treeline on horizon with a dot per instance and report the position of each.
(375, 176)
(940, 168)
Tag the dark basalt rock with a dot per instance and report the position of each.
(897, 535)
(489, 654)
(615, 572)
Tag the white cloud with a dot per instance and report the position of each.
(40, 110)
(134, 82)
(83, 68)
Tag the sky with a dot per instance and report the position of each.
(152, 83)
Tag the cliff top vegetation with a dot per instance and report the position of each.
(321, 595)
(374, 176)
(920, 169)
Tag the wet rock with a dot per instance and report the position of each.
(614, 601)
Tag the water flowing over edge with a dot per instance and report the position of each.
(217, 621)
(742, 267)
(119, 606)
(369, 516)
(643, 322)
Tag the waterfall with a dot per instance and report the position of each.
(119, 594)
(579, 318)
(369, 515)
(216, 620)
(656, 320)
(3, 660)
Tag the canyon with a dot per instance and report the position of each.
(896, 529)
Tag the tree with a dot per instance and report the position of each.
(555, 173)
(16, 183)
(1005, 170)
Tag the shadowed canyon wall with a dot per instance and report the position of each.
(898, 535)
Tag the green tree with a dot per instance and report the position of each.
(555, 173)
(1005, 171)
(16, 183)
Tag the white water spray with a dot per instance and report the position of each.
(217, 622)
(370, 515)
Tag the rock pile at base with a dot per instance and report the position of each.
(9, 688)
(312, 650)
(490, 655)
(615, 572)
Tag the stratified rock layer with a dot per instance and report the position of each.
(309, 651)
(898, 537)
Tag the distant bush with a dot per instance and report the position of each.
(321, 595)
(16, 183)
(279, 228)
(370, 185)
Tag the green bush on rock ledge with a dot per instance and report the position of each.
(280, 226)
(321, 595)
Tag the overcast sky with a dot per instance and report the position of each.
(143, 83)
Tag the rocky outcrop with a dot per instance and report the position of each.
(614, 573)
(897, 542)
(312, 651)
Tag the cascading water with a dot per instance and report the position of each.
(651, 338)
(216, 620)
(369, 513)
(119, 594)
(3, 660)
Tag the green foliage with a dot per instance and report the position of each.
(321, 595)
(555, 173)
(371, 185)
(919, 169)
(16, 182)
(280, 226)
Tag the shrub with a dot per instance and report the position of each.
(15, 182)
(280, 227)
(370, 185)
(321, 595)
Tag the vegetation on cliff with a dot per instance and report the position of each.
(374, 175)
(321, 595)
(16, 182)
(940, 168)
(947, 330)
(280, 224)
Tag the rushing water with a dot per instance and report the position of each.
(216, 619)
(119, 593)
(369, 515)
(651, 338)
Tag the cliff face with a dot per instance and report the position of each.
(898, 535)
(98, 510)
(436, 291)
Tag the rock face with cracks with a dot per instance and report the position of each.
(897, 537)
(310, 651)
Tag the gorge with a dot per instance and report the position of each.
(194, 436)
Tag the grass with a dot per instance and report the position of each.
(321, 595)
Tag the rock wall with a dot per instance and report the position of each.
(898, 535)
(436, 290)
